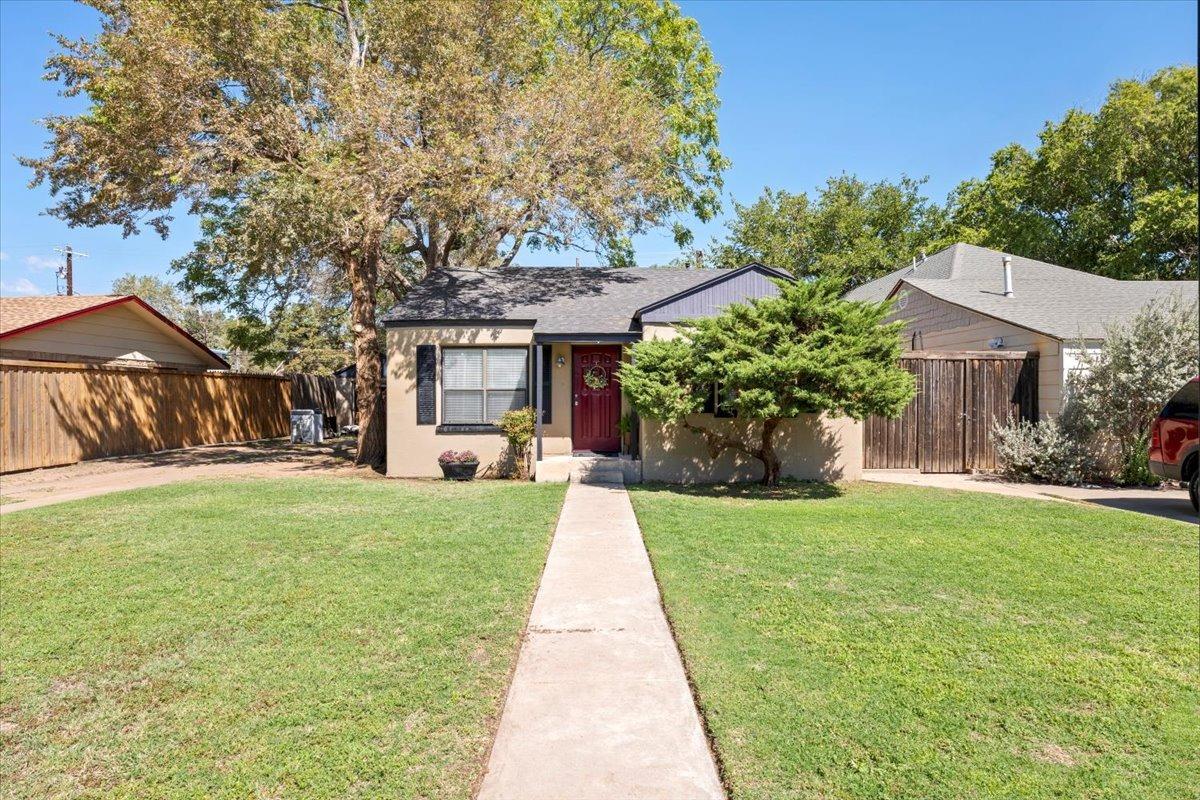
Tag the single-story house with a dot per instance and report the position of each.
(969, 298)
(464, 346)
(113, 330)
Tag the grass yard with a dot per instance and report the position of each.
(885, 641)
(262, 639)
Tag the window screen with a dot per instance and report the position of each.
(480, 383)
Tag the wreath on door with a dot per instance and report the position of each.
(596, 377)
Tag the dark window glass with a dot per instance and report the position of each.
(1186, 402)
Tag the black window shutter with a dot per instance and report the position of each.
(426, 384)
(547, 367)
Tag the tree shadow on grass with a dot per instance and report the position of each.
(786, 490)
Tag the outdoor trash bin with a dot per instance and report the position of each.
(307, 426)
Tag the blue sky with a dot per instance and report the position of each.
(809, 90)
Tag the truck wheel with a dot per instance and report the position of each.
(1194, 490)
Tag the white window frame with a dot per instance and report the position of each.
(483, 390)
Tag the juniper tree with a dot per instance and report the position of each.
(805, 351)
(773, 359)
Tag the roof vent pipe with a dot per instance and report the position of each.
(1008, 276)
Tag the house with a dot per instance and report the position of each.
(969, 298)
(464, 346)
(113, 330)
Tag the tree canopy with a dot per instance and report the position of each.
(385, 137)
(851, 230)
(1114, 192)
(209, 325)
(805, 351)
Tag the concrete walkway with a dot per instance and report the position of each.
(599, 705)
(1168, 502)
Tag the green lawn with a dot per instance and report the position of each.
(288, 638)
(885, 642)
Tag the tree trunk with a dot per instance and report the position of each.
(766, 453)
(363, 270)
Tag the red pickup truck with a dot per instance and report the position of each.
(1175, 440)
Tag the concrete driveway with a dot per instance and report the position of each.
(1167, 502)
(270, 458)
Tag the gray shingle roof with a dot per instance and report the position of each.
(559, 300)
(1057, 301)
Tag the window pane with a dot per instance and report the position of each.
(506, 368)
(498, 402)
(462, 406)
(462, 369)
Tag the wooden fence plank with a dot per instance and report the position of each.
(55, 414)
(948, 425)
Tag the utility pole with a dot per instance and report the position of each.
(67, 271)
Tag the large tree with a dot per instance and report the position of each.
(851, 230)
(385, 138)
(773, 359)
(1112, 192)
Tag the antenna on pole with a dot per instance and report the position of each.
(67, 271)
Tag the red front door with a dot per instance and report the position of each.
(597, 398)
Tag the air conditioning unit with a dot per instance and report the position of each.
(307, 426)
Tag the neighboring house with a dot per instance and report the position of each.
(99, 329)
(956, 300)
(464, 346)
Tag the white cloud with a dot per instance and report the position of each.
(41, 262)
(21, 286)
(3, 256)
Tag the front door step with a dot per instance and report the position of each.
(588, 469)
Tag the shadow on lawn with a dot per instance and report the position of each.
(787, 490)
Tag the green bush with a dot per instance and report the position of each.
(1044, 452)
(518, 427)
(1113, 397)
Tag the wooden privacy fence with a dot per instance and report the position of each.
(53, 414)
(948, 425)
(318, 392)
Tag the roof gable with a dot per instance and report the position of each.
(708, 298)
(22, 316)
(1056, 301)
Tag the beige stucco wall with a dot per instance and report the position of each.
(413, 449)
(811, 447)
(936, 325)
(119, 333)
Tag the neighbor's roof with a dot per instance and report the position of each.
(1056, 301)
(23, 314)
(17, 313)
(553, 300)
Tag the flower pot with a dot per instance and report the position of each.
(459, 470)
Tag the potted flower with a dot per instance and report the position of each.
(458, 465)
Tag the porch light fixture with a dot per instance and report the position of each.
(560, 361)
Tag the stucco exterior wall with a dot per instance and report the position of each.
(812, 447)
(413, 449)
(122, 333)
(935, 325)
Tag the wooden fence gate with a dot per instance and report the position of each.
(948, 425)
